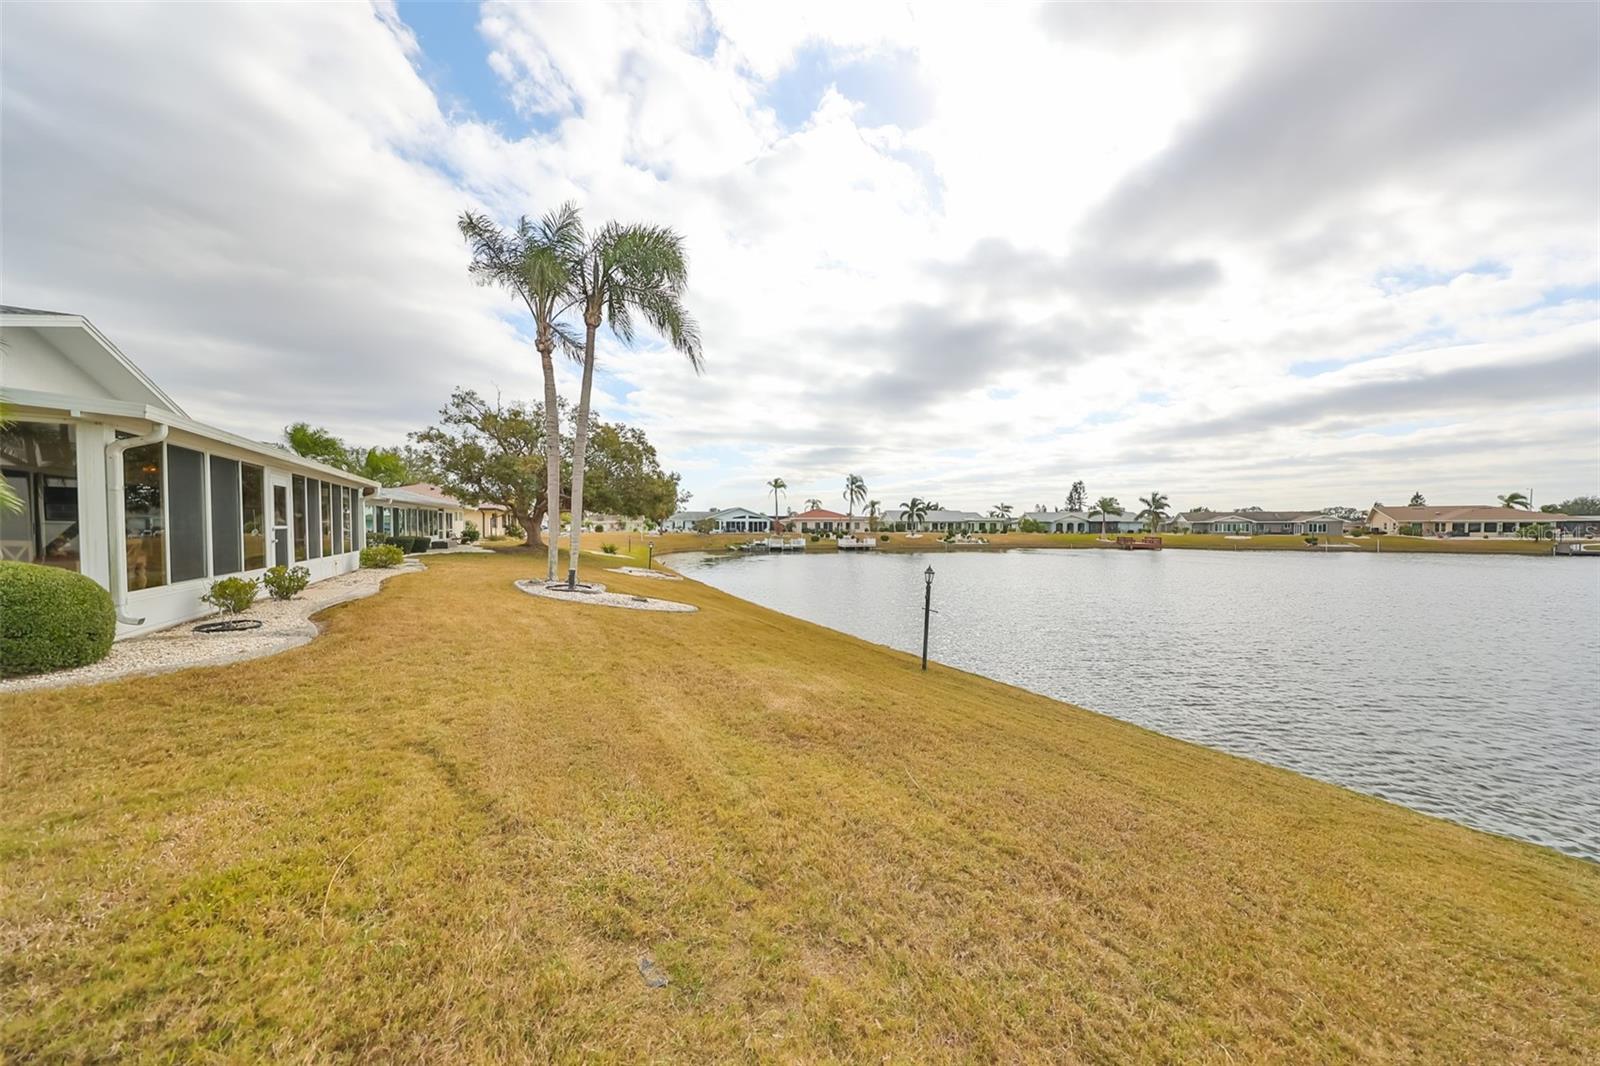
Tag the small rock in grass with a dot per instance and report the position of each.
(653, 977)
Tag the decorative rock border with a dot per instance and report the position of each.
(596, 594)
(284, 625)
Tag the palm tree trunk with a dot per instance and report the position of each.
(580, 445)
(552, 456)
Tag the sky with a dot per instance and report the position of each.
(1286, 256)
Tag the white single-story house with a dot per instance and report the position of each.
(943, 521)
(420, 510)
(1255, 523)
(727, 520)
(119, 484)
(1084, 522)
(1458, 520)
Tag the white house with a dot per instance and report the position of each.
(119, 484)
(727, 520)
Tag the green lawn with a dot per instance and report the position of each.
(451, 827)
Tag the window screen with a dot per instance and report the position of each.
(225, 554)
(186, 512)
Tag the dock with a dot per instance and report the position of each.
(1139, 544)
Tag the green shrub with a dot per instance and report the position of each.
(232, 595)
(469, 533)
(284, 583)
(381, 556)
(609, 549)
(515, 532)
(51, 619)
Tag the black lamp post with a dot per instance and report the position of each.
(927, 610)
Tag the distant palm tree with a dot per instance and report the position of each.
(1515, 499)
(1002, 510)
(855, 491)
(532, 263)
(813, 504)
(1417, 500)
(1155, 509)
(314, 442)
(1105, 505)
(914, 510)
(777, 485)
(873, 506)
(619, 272)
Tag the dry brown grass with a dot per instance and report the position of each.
(450, 828)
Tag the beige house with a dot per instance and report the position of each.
(1457, 521)
(427, 510)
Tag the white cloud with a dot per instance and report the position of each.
(1096, 244)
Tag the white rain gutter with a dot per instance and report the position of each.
(116, 523)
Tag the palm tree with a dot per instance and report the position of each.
(855, 491)
(813, 504)
(1515, 499)
(1155, 509)
(620, 272)
(777, 485)
(1105, 505)
(314, 442)
(873, 507)
(914, 510)
(1417, 500)
(534, 263)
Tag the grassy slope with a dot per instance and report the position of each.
(427, 837)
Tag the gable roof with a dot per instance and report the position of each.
(91, 352)
(818, 512)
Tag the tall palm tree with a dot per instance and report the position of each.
(914, 510)
(873, 506)
(1105, 505)
(777, 485)
(533, 262)
(1002, 510)
(1155, 509)
(620, 272)
(1515, 499)
(855, 492)
(813, 504)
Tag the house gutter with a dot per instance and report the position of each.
(116, 523)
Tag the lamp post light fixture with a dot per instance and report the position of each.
(927, 610)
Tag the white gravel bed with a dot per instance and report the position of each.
(598, 596)
(284, 625)
(639, 571)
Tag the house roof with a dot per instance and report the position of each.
(85, 347)
(1467, 513)
(817, 513)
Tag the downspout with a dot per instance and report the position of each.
(116, 523)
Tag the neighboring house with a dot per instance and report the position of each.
(613, 523)
(1458, 521)
(823, 521)
(1262, 523)
(728, 520)
(419, 510)
(1579, 525)
(943, 522)
(119, 484)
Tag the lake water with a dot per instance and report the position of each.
(1463, 686)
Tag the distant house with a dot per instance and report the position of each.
(820, 520)
(945, 521)
(1458, 521)
(728, 520)
(1261, 523)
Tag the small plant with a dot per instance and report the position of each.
(381, 557)
(883, 537)
(232, 595)
(51, 619)
(515, 532)
(599, 528)
(284, 583)
(609, 549)
(469, 533)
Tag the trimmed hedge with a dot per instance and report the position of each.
(51, 619)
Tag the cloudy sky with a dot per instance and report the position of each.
(1287, 256)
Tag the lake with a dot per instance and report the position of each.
(1463, 686)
